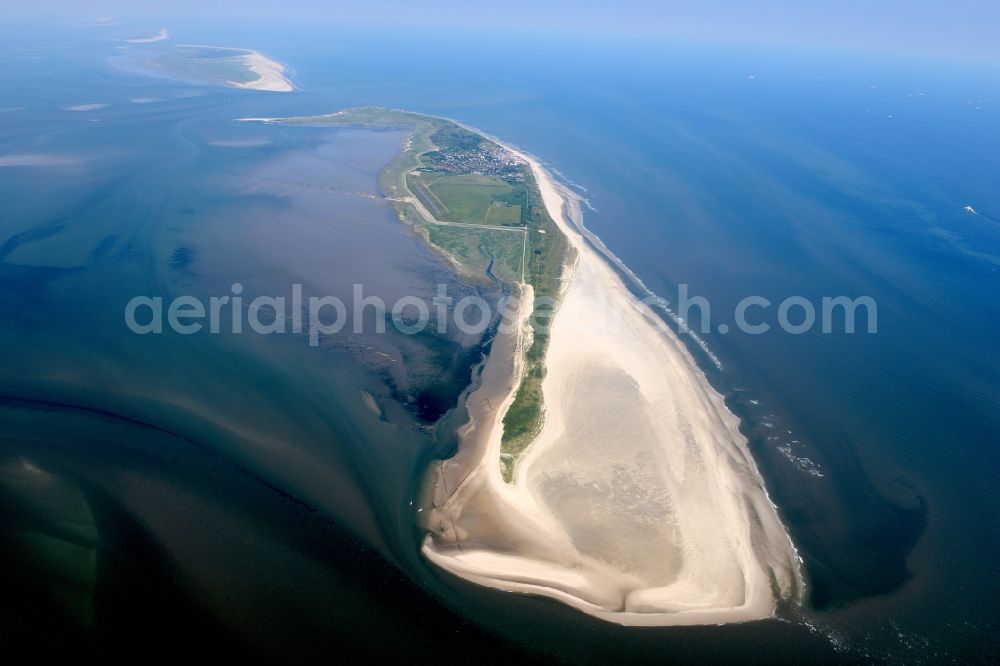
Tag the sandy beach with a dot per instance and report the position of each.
(638, 502)
(271, 74)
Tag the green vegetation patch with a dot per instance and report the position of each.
(547, 254)
(207, 64)
(504, 214)
(469, 197)
(483, 252)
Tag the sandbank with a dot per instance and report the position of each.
(638, 502)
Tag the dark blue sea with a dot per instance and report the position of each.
(237, 491)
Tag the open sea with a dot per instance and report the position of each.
(259, 495)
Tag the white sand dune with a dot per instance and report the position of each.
(271, 74)
(639, 502)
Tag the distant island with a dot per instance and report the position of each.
(214, 65)
(162, 35)
(598, 466)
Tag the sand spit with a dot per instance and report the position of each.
(639, 502)
(271, 74)
(158, 37)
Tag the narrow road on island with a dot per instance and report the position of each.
(430, 219)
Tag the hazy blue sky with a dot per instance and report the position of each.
(917, 27)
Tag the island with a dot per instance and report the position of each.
(196, 63)
(597, 466)
(162, 35)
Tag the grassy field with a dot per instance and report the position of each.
(465, 198)
(487, 212)
(476, 247)
(505, 215)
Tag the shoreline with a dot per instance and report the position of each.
(270, 73)
(516, 537)
(638, 501)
